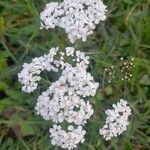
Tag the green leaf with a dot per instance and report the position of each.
(2, 25)
(4, 54)
(3, 65)
(31, 8)
(128, 2)
(27, 129)
(4, 103)
(14, 94)
(129, 146)
(3, 85)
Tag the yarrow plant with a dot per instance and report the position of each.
(64, 99)
(78, 17)
(117, 120)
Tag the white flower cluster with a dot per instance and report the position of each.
(77, 17)
(63, 101)
(117, 120)
(30, 74)
(68, 139)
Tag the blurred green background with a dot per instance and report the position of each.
(126, 32)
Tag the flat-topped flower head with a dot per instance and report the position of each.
(30, 74)
(64, 100)
(117, 120)
(78, 17)
(67, 139)
(61, 103)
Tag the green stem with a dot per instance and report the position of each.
(24, 144)
(103, 81)
(10, 53)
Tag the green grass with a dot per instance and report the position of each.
(126, 32)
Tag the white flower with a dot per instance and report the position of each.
(69, 51)
(30, 74)
(61, 103)
(51, 15)
(77, 17)
(64, 100)
(116, 120)
(69, 139)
